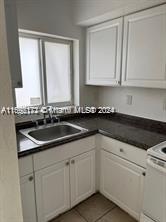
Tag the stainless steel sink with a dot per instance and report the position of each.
(52, 132)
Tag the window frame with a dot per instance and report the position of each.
(42, 62)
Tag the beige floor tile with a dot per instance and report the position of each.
(117, 215)
(94, 207)
(70, 216)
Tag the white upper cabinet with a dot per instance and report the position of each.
(144, 49)
(104, 53)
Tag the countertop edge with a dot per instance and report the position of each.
(55, 144)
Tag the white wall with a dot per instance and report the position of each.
(148, 103)
(10, 201)
(56, 17)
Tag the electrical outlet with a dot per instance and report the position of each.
(129, 100)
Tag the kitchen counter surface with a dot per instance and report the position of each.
(139, 135)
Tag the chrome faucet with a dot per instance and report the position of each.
(51, 118)
(54, 117)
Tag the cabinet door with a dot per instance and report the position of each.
(122, 182)
(144, 54)
(52, 191)
(82, 177)
(104, 53)
(28, 198)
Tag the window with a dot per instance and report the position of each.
(57, 72)
(30, 94)
(46, 72)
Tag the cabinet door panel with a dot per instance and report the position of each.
(144, 55)
(28, 198)
(104, 53)
(121, 182)
(82, 177)
(52, 191)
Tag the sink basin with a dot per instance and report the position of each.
(52, 132)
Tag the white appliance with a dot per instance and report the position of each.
(154, 202)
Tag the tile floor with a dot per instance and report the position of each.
(95, 209)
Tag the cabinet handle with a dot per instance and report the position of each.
(72, 161)
(67, 163)
(121, 150)
(30, 178)
(144, 174)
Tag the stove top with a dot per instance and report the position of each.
(158, 151)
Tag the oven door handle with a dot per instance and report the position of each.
(156, 166)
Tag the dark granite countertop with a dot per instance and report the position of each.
(143, 134)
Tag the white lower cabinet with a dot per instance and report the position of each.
(82, 177)
(63, 185)
(28, 198)
(52, 191)
(122, 182)
(65, 176)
